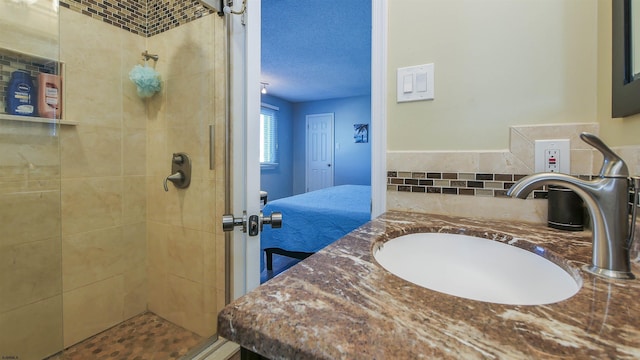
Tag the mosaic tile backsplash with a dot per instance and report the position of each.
(464, 183)
(451, 183)
(145, 18)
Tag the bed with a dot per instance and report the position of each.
(313, 220)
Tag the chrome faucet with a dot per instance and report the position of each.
(607, 199)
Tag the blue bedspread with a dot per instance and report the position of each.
(313, 220)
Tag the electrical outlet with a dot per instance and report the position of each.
(552, 160)
(553, 156)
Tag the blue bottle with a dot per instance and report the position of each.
(21, 94)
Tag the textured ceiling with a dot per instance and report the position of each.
(316, 49)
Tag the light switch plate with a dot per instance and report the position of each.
(421, 86)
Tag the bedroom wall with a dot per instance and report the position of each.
(352, 161)
(278, 182)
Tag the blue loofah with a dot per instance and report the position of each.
(147, 79)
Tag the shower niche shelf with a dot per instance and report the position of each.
(33, 119)
(16, 60)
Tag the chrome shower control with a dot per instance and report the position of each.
(178, 159)
(177, 179)
(180, 171)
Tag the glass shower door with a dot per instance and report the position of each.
(30, 250)
(30, 240)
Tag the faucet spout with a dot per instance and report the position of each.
(606, 199)
(525, 186)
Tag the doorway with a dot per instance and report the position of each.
(315, 68)
(245, 87)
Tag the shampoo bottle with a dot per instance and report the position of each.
(49, 96)
(21, 94)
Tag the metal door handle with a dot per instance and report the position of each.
(275, 220)
(251, 223)
(229, 222)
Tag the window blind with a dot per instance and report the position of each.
(268, 136)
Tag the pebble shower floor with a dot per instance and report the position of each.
(143, 337)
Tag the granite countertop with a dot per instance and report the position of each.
(339, 303)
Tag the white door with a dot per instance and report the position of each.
(245, 168)
(319, 174)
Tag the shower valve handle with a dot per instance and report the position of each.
(180, 171)
(177, 179)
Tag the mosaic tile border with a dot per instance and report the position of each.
(129, 15)
(165, 15)
(459, 183)
(144, 18)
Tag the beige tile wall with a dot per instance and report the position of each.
(88, 205)
(518, 159)
(29, 29)
(185, 243)
(103, 178)
(30, 254)
(40, 320)
(128, 245)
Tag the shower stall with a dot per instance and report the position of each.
(96, 258)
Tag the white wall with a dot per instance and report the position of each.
(542, 65)
(497, 64)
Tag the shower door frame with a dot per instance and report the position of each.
(31, 314)
(245, 105)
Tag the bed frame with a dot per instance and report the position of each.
(292, 254)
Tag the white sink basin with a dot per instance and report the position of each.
(477, 269)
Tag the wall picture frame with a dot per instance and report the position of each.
(361, 133)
